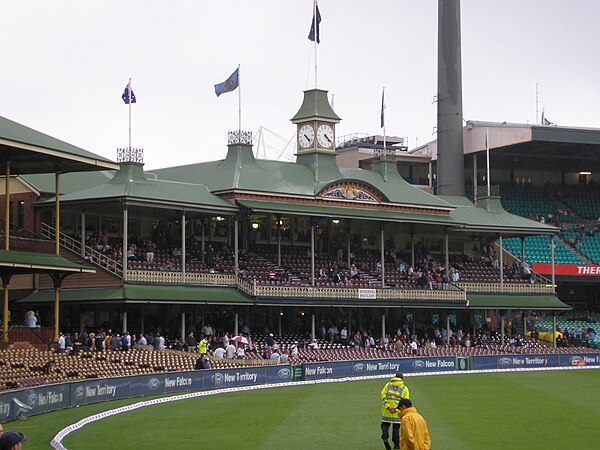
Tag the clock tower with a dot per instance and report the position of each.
(316, 123)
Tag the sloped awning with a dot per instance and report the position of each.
(17, 263)
(345, 212)
(144, 294)
(507, 301)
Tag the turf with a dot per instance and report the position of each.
(534, 410)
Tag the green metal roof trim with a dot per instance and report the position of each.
(131, 184)
(507, 301)
(144, 293)
(42, 262)
(351, 303)
(241, 171)
(69, 182)
(16, 133)
(492, 218)
(564, 134)
(315, 104)
(349, 212)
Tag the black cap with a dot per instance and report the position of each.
(399, 375)
(10, 438)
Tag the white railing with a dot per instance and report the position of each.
(506, 288)
(256, 290)
(94, 256)
(190, 278)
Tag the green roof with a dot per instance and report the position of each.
(131, 293)
(349, 212)
(241, 171)
(315, 105)
(132, 185)
(69, 182)
(489, 216)
(27, 262)
(508, 301)
(31, 151)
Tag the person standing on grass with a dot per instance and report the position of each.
(414, 434)
(391, 394)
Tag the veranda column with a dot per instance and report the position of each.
(124, 327)
(522, 249)
(313, 335)
(7, 207)
(57, 214)
(5, 282)
(446, 252)
(142, 322)
(236, 325)
(348, 242)
(474, 177)
(382, 258)
(554, 329)
(183, 326)
(183, 247)
(202, 241)
(82, 253)
(524, 318)
(236, 250)
(312, 254)
(502, 329)
(501, 262)
(278, 218)
(448, 328)
(125, 245)
(412, 246)
(279, 319)
(552, 262)
(383, 326)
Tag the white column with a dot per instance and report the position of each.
(312, 255)
(236, 250)
(448, 328)
(502, 330)
(501, 261)
(382, 258)
(236, 325)
(82, 235)
(554, 329)
(125, 244)
(312, 327)
(183, 250)
(552, 261)
(183, 327)
(124, 322)
(447, 252)
(280, 317)
(202, 240)
(383, 326)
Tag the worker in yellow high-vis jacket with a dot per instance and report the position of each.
(391, 394)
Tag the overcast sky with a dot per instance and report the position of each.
(65, 63)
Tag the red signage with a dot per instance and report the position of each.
(567, 269)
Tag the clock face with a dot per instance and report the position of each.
(306, 136)
(325, 136)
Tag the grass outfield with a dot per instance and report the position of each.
(533, 410)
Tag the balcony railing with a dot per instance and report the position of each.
(95, 257)
(506, 288)
(190, 278)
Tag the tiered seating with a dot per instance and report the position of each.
(525, 200)
(570, 321)
(590, 248)
(586, 203)
(25, 367)
(537, 250)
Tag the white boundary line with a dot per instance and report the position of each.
(56, 442)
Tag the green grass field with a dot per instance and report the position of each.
(533, 410)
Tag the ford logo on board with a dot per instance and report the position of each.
(359, 367)
(284, 373)
(418, 364)
(32, 400)
(153, 383)
(217, 378)
(79, 393)
(505, 361)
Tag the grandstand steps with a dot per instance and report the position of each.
(100, 279)
(574, 251)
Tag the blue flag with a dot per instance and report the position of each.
(312, 35)
(383, 108)
(125, 95)
(230, 84)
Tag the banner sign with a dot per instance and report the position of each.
(223, 378)
(590, 359)
(101, 390)
(278, 374)
(567, 269)
(367, 294)
(513, 361)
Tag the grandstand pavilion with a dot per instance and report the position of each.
(244, 240)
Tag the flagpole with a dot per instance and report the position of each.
(239, 103)
(487, 154)
(316, 43)
(129, 92)
(383, 113)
